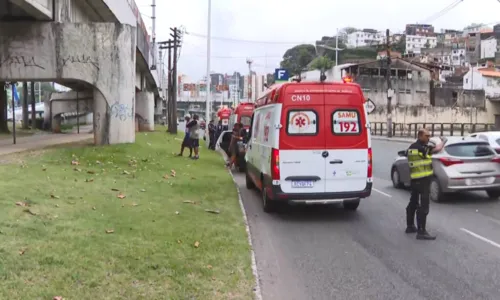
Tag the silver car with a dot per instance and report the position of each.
(465, 164)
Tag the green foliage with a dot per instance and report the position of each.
(400, 46)
(321, 63)
(349, 30)
(297, 58)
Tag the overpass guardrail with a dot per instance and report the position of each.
(410, 130)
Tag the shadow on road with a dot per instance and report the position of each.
(468, 198)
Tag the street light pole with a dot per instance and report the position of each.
(209, 32)
(337, 47)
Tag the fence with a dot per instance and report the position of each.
(436, 129)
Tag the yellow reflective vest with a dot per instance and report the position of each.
(420, 164)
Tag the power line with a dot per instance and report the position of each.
(235, 57)
(245, 41)
(442, 12)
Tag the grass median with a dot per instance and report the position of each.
(121, 222)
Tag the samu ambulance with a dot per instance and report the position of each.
(310, 144)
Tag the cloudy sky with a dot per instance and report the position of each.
(264, 29)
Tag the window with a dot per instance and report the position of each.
(346, 122)
(470, 150)
(490, 82)
(246, 120)
(302, 122)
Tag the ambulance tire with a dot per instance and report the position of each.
(248, 181)
(351, 205)
(268, 204)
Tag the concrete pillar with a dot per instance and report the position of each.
(145, 109)
(101, 119)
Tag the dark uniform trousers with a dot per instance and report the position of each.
(419, 202)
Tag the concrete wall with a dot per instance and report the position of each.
(430, 114)
(412, 92)
(101, 55)
(63, 103)
(449, 96)
(145, 103)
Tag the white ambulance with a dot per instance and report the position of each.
(310, 144)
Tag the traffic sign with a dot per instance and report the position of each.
(370, 106)
(281, 75)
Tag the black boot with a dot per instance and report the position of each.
(410, 221)
(422, 234)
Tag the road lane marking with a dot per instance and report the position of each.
(482, 238)
(380, 192)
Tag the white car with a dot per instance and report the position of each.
(492, 137)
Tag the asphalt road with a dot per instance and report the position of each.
(325, 253)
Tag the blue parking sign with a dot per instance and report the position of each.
(281, 75)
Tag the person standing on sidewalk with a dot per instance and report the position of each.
(420, 161)
(186, 142)
(211, 135)
(194, 135)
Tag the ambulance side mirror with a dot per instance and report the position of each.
(402, 153)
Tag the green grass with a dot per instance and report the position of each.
(77, 239)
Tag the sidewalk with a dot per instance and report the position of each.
(394, 139)
(40, 141)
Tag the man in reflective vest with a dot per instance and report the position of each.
(420, 162)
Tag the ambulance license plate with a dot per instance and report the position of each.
(302, 184)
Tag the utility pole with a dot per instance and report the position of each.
(153, 19)
(208, 104)
(169, 45)
(249, 62)
(337, 48)
(390, 92)
(33, 106)
(176, 35)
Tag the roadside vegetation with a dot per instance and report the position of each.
(121, 222)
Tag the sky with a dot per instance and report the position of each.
(264, 29)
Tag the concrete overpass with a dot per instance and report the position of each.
(98, 48)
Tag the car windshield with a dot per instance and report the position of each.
(469, 150)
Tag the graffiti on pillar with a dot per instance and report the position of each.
(20, 61)
(80, 59)
(121, 111)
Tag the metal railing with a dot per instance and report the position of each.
(410, 130)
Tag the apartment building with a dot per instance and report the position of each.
(420, 29)
(365, 37)
(415, 43)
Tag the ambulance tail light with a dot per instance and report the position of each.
(275, 164)
(370, 163)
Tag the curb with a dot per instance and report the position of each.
(257, 289)
(396, 140)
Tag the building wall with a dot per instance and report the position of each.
(457, 97)
(488, 48)
(415, 43)
(430, 114)
(458, 57)
(362, 39)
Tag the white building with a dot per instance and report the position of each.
(364, 38)
(458, 58)
(488, 47)
(487, 79)
(414, 43)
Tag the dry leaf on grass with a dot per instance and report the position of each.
(179, 242)
(54, 196)
(166, 176)
(24, 204)
(121, 196)
(126, 172)
(143, 190)
(90, 172)
(108, 231)
(135, 204)
(189, 202)
(209, 267)
(75, 163)
(93, 208)
(196, 244)
(177, 212)
(89, 180)
(77, 170)
(58, 298)
(115, 190)
(213, 211)
(22, 251)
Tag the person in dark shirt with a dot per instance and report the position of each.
(186, 143)
(420, 162)
(211, 135)
(194, 135)
(233, 145)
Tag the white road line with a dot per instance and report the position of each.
(380, 192)
(482, 238)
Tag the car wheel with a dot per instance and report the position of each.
(396, 179)
(268, 204)
(351, 205)
(493, 194)
(248, 181)
(435, 193)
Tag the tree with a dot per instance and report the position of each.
(297, 58)
(349, 30)
(321, 63)
(4, 128)
(400, 46)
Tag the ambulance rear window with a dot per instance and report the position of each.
(346, 122)
(302, 122)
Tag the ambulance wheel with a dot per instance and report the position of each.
(351, 205)
(268, 204)
(248, 181)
